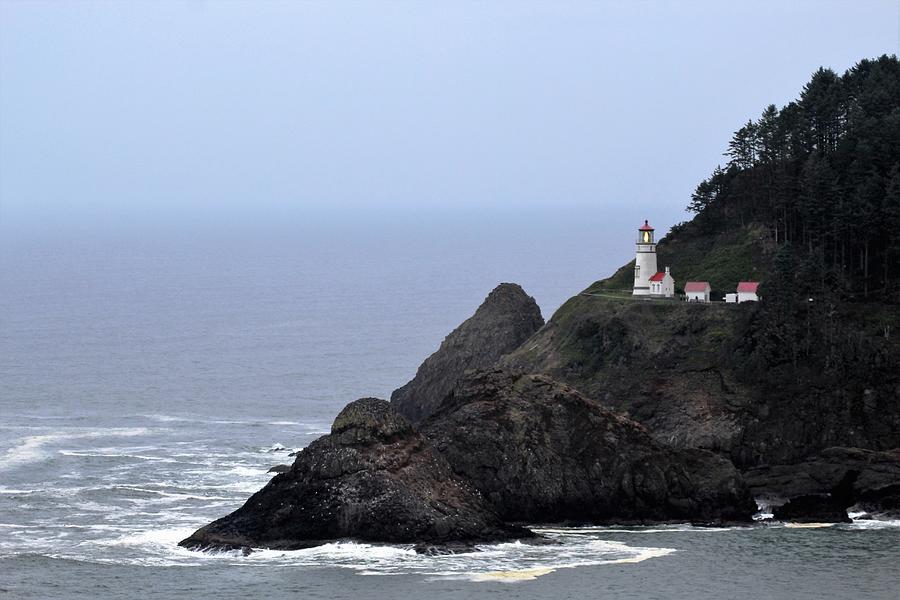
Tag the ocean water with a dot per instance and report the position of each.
(148, 382)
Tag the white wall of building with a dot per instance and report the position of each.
(697, 296)
(664, 288)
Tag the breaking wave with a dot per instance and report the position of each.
(33, 448)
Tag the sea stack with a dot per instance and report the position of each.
(506, 318)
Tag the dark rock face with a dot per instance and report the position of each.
(506, 318)
(373, 478)
(882, 503)
(706, 385)
(812, 509)
(820, 473)
(821, 508)
(876, 489)
(540, 451)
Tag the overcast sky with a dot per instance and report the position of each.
(134, 113)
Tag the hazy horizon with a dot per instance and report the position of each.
(591, 117)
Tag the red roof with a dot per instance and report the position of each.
(696, 286)
(658, 277)
(646, 227)
(747, 286)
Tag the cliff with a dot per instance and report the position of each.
(540, 451)
(704, 376)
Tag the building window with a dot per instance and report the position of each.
(637, 271)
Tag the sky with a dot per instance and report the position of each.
(122, 115)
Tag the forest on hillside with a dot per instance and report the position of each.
(822, 175)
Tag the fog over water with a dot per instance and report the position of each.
(190, 114)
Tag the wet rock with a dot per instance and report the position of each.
(821, 508)
(881, 503)
(878, 475)
(372, 479)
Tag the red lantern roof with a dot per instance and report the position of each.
(658, 277)
(646, 227)
(748, 286)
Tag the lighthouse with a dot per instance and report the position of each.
(645, 260)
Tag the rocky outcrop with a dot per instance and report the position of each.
(876, 488)
(821, 508)
(820, 473)
(374, 479)
(882, 503)
(539, 450)
(506, 318)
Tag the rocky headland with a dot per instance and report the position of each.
(614, 411)
(497, 449)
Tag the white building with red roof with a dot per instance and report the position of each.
(697, 291)
(662, 285)
(746, 291)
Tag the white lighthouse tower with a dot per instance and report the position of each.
(645, 260)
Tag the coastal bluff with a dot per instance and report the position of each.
(554, 426)
(540, 451)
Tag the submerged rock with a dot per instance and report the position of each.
(506, 318)
(541, 451)
(372, 479)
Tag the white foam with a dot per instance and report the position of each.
(874, 524)
(14, 492)
(275, 448)
(167, 418)
(682, 528)
(116, 455)
(32, 448)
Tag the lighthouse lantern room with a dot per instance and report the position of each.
(645, 260)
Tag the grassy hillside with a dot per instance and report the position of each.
(723, 259)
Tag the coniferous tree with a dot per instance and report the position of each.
(820, 174)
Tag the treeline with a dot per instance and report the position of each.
(822, 174)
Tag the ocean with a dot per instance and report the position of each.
(149, 380)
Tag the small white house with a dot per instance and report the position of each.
(731, 298)
(746, 291)
(662, 285)
(697, 291)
